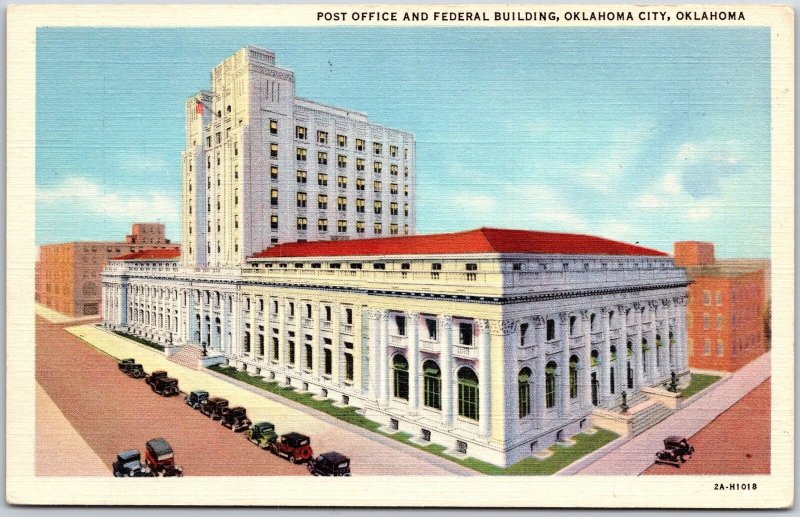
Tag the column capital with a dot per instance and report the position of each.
(562, 317)
(680, 300)
(503, 327)
(446, 321)
(483, 325)
(637, 306)
(538, 321)
(373, 314)
(585, 314)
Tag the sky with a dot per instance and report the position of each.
(647, 135)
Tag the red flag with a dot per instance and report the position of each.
(198, 107)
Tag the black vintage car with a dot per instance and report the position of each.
(195, 398)
(124, 362)
(151, 379)
(160, 458)
(129, 464)
(166, 386)
(212, 407)
(134, 370)
(330, 464)
(235, 419)
(680, 445)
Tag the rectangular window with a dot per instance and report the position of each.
(328, 361)
(360, 144)
(707, 347)
(273, 222)
(341, 226)
(720, 348)
(393, 188)
(393, 229)
(377, 167)
(405, 209)
(341, 203)
(341, 160)
(393, 151)
(309, 358)
(322, 179)
(706, 322)
(377, 148)
(341, 181)
(273, 172)
(322, 158)
(436, 266)
(291, 352)
(322, 201)
(393, 209)
(378, 228)
(247, 342)
(706, 297)
(377, 185)
(719, 297)
(432, 329)
(378, 207)
(359, 164)
(273, 151)
(322, 137)
(551, 330)
(302, 223)
(360, 227)
(300, 132)
(465, 334)
(302, 176)
(301, 154)
(341, 140)
(393, 169)
(360, 184)
(273, 127)
(348, 367)
(273, 197)
(322, 225)
(360, 205)
(720, 321)
(302, 199)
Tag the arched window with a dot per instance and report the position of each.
(467, 393)
(573, 377)
(524, 390)
(595, 358)
(432, 385)
(659, 344)
(550, 384)
(645, 348)
(400, 377)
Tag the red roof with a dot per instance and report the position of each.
(154, 254)
(482, 240)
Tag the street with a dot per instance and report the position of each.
(113, 412)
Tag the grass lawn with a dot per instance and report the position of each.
(698, 383)
(562, 456)
(138, 339)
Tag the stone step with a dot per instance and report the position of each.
(188, 356)
(648, 417)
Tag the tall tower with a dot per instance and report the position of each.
(262, 166)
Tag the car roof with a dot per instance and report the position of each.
(295, 437)
(674, 438)
(129, 455)
(265, 423)
(160, 371)
(335, 457)
(160, 446)
(200, 392)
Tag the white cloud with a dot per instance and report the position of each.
(81, 195)
(698, 213)
(671, 183)
(649, 201)
(475, 202)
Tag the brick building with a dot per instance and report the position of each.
(68, 274)
(726, 307)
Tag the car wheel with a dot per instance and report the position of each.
(292, 459)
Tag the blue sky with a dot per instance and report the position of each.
(644, 135)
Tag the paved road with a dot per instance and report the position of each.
(113, 412)
(736, 442)
(635, 456)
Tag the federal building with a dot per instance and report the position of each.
(494, 343)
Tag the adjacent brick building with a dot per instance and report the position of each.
(68, 274)
(726, 307)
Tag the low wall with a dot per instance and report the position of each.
(668, 398)
(205, 362)
(616, 422)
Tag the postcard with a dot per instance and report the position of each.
(453, 255)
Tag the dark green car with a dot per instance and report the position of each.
(262, 434)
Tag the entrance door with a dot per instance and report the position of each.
(594, 388)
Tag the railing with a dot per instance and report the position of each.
(308, 323)
(523, 354)
(467, 352)
(429, 345)
(398, 341)
(325, 325)
(347, 329)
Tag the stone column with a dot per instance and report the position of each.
(637, 348)
(484, 380)
(651, 342)
(202, 312)
(316, 341)
(539, 403)
(336, 340)
(414, 372)
(563, 320)
(236, 329)
(605, 380)
(383, 359)
(374, 345)
(663, 330)
(446, 359)
(682, 339)
(299, 337)
(621, 372)
(585, 382)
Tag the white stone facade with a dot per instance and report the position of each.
(373, 332)
(262, 166)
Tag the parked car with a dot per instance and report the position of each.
(212, 407)
(195, 398)
(122, 365)
(680, 445)
(235, 419)
(129, 465)
(669, 457)
(166, 386)
(134, 370)
(161, 459)
(330, 464)
(262, 434)
(151, 379)
(295, 447)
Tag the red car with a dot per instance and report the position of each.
(160, 458)
(294, 446)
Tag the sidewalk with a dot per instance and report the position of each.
(58, 318)
(637, 454)
(371, 454)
